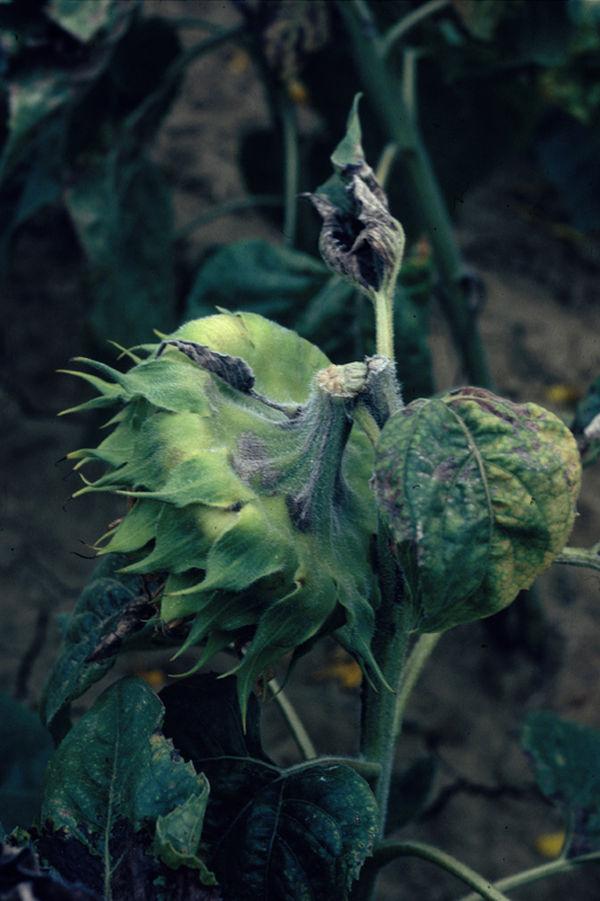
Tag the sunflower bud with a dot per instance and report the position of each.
(234, 442)
(360, 239)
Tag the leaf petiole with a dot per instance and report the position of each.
(388, 851)
(553, 868)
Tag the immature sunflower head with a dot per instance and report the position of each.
(248, 488)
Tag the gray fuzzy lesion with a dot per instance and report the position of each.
(303, 458)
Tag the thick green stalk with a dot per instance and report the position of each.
(388, 851)
(378, 742)
(426, 197)
(553, 868)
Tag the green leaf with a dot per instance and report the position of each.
(115, 765)
(260, 277)
(178, 835)
(25, 748)
(411, 328)
(97, 613)
(349, 151)
(480, 17)
(566, 760)
(301, 833)
(122, 215)
(81, 18)
(480, 496)
(36, 95)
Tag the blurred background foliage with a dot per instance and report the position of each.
(85, 87)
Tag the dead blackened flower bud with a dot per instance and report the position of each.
(360, 239)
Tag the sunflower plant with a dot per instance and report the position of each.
(268, 498)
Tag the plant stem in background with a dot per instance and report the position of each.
(291, 170)
(178, 67)
(542, 872)
(229, 206)
(425, 194)
(388, 851)
(385, 163)
(404, 25)
(301, 736)
(417, 659)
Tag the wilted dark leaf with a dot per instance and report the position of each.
(97, 614)
(122, 214)
(296, 834)
(36, 94)
(115, 767)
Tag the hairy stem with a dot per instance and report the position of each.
(542, 872)
(301, 736)
(388, 851)
(384, 324)
(378, 742)
(363, 417)
(425, 194)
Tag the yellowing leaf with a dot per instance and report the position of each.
(550, 844)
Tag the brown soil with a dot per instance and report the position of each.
(541, 328)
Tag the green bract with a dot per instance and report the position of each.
(479, 493)
(246, 488)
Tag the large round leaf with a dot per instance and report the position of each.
(479, 493)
